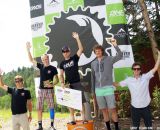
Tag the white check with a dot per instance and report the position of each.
(69, 97)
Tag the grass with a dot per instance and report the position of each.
(6, 115)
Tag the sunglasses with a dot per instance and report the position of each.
(136, 69)
(18, 81)
(65, 51)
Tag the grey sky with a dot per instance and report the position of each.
(14, 32)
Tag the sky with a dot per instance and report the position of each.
(15, 31)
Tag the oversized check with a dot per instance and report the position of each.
(69, 97)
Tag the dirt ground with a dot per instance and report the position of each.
(60, 124)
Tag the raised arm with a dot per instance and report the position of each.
(80, 47)
(1, 82)
(119, 53)
(28, 46)
(156, 66)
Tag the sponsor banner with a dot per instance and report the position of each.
(69, 97)
(38, 26)
(115, 13)
(36, 8)
(51, 6)
(93, 20)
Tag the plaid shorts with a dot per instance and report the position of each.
(45, 94)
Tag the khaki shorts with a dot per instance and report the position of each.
(106, 101)
(20, 120)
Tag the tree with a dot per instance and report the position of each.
(149, 29)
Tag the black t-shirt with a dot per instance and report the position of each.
(46, 73)
(70, 68)
(19, 100)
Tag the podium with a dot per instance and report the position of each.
(81, 126)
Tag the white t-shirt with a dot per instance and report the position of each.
(139, 89)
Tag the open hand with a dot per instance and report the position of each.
(75, 35)
(28, 45)
(112, 41)
(30, 118)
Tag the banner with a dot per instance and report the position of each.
(69, 97)
(53, 22)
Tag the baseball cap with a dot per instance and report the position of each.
(65, 48)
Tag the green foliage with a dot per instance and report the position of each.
(5, 102)
(156, 102)
(123, 104)
(137, 30)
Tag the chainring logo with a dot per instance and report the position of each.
(89, 27)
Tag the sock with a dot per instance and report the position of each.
(40, 124)
(108, 125)
(52, 123)
(116, 125)
(52, 116)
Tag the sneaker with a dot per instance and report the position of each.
(52, 128)
(72, 123)
(40, 128)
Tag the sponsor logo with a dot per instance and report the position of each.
(81, 20)
(59, 90)
(49, 71)
(134, 1)
(36, 7)
(115, 13)
(126, 54)
(121, 33)
(36, 26)
(53, 3)
(22, 94)
(68, 65)
(80, 127)
(67, 92)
